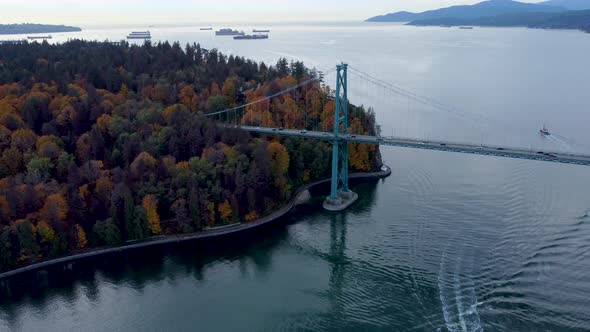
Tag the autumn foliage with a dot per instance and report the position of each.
(102, 144)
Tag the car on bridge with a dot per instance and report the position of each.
(304, 131)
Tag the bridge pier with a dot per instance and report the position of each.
(341, 196)
(343, 201)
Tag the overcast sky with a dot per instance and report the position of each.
(98, 12)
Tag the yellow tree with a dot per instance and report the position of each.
(103, 123)
(46, 232)
(359, 156)
(229, 90)
(124, 90)
(150, 204)
(81, 241)
(186, 96)
(251, 216)
(211, 209)
(225, 211)
(279, 158)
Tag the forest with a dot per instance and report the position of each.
(103, 143)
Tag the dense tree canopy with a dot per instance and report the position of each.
(103, 143)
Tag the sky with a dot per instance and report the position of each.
(105, 12)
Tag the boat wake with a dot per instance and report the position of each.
(571, 143)
(560, 141)
(457, 294)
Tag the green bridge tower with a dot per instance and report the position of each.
(340, 196)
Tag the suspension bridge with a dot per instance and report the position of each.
(340, 195)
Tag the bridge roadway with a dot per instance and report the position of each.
(496, 151)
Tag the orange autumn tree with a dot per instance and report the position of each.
(259, 113)
(358, 154)
(150, 204)
(55, 209)
(327, 116)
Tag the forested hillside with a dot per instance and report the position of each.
(104, 143)
(12, 29)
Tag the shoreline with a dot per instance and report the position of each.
(205, 234)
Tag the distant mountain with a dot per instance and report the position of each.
(482, 9)
(569, 4)
(28, 28)
(564, 20)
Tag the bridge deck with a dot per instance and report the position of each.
(496, 151)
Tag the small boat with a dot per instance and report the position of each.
(255, 30)
(244, 37)
(206, 29)
(545, 131)
(39, 37)
(466, 28)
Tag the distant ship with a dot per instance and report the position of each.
(229, 32)
(255, 30)
(206, 29)
(466, 28)
(39, 37)
(260, 36)
(545, 131)
(140, 35)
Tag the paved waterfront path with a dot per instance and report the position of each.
(210, 233)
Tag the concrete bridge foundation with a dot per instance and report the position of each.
(343, 201)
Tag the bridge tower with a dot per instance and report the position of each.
(340, 196)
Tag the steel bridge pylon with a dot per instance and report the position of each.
(340, 195)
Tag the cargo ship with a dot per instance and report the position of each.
(256, 30)
(229, 32)
(466, 28)
(206, 29)
(39, 37)
(140, 35)
(242, 37)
